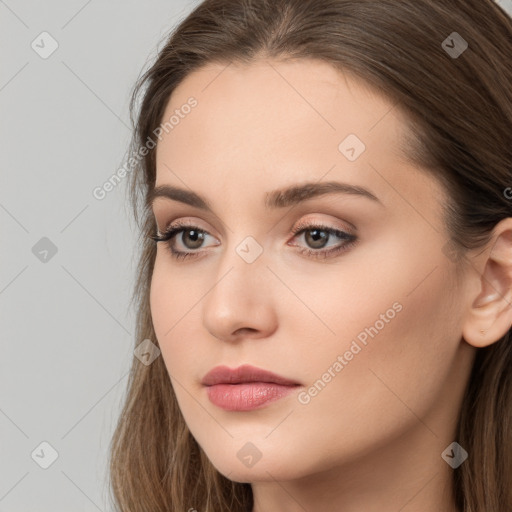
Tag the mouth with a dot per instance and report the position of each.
(245, 388)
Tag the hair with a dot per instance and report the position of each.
(460, 114)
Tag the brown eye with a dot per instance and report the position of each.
(316, 238)
(189, 237)
(192, 238)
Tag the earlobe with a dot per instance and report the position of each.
(490, 315)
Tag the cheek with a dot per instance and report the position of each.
(175, 303)
(169, 303)
(397, 341)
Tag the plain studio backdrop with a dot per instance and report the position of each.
(68, 244)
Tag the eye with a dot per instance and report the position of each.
(192, 238)
(316, 236)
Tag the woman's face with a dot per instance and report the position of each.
(366, 321)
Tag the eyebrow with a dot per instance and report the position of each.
(275, 199)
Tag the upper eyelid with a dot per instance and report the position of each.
(299, 226)
(309, 222)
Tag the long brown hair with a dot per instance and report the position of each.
(460, 111)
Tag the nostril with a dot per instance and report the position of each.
(244, 330)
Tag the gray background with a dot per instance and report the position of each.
(66, 325)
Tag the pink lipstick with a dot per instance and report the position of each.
(245, 388)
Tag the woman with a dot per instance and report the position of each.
(324, 194)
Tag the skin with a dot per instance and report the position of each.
(372, 438)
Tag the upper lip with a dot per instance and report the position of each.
(244, 373)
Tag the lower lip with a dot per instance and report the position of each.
(246, 397)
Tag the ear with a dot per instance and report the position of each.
(490, 315)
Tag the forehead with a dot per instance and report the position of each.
(273, 101)
(273, 123)
(266, 91)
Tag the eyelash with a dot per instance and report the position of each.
(177, 228)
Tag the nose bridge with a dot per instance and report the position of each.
(241, 272)
(240, 296)
(244, 251)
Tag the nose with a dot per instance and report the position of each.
(240, 304)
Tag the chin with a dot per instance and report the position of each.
(240, 467)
